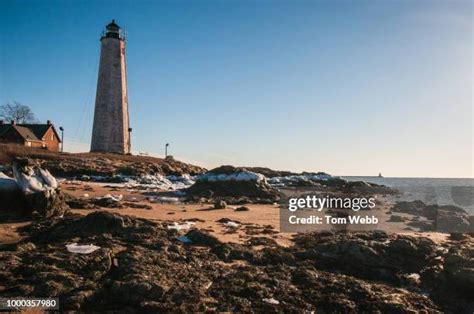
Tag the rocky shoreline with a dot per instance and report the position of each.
(127, 263)
(144, 266)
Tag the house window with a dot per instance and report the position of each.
(28, 144)
(52, 136)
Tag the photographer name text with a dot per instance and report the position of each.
(312, 203)
(331, 220)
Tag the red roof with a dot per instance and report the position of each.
(29, 132)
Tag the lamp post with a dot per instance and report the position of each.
(130, 141)
(166, 149)
(62, 138)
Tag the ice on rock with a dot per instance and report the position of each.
(33, 180)
(183, 226)
(48, 178)
(236, 176)
(271, 301)
(163, 199)
(231, 224)
(158, 181)
(299, 179)
(114, 197)
(81, 249)
(145, 182)
(7, 183)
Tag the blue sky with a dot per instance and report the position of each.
(346, 87)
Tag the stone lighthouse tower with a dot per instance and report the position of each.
(111, 131)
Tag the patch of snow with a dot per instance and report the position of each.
(159, 182)
(183, 226)
(7, 183)
(300, 179)
(114, 197)
(145, 182)
(231, 224)
(163, 199)
(104, 179)
(73, 182)
(81, 249)
(35, 180)
(271, 301)
(48, 178)
(414, 277)
(236, 176)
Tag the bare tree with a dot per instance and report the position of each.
(18, 112)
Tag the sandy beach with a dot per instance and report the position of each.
(251, 223)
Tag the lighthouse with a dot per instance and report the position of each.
(111, 129)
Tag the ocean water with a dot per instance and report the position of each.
(441, 191)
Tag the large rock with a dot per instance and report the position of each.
(453, 221)
(270, 173)
(372, 255)
(442, 218)
(432, 211)
(107, 201)
(412, 208)
(47, 204)
(39, 190)
(220, 204)
(459, 267)
(228, 181)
